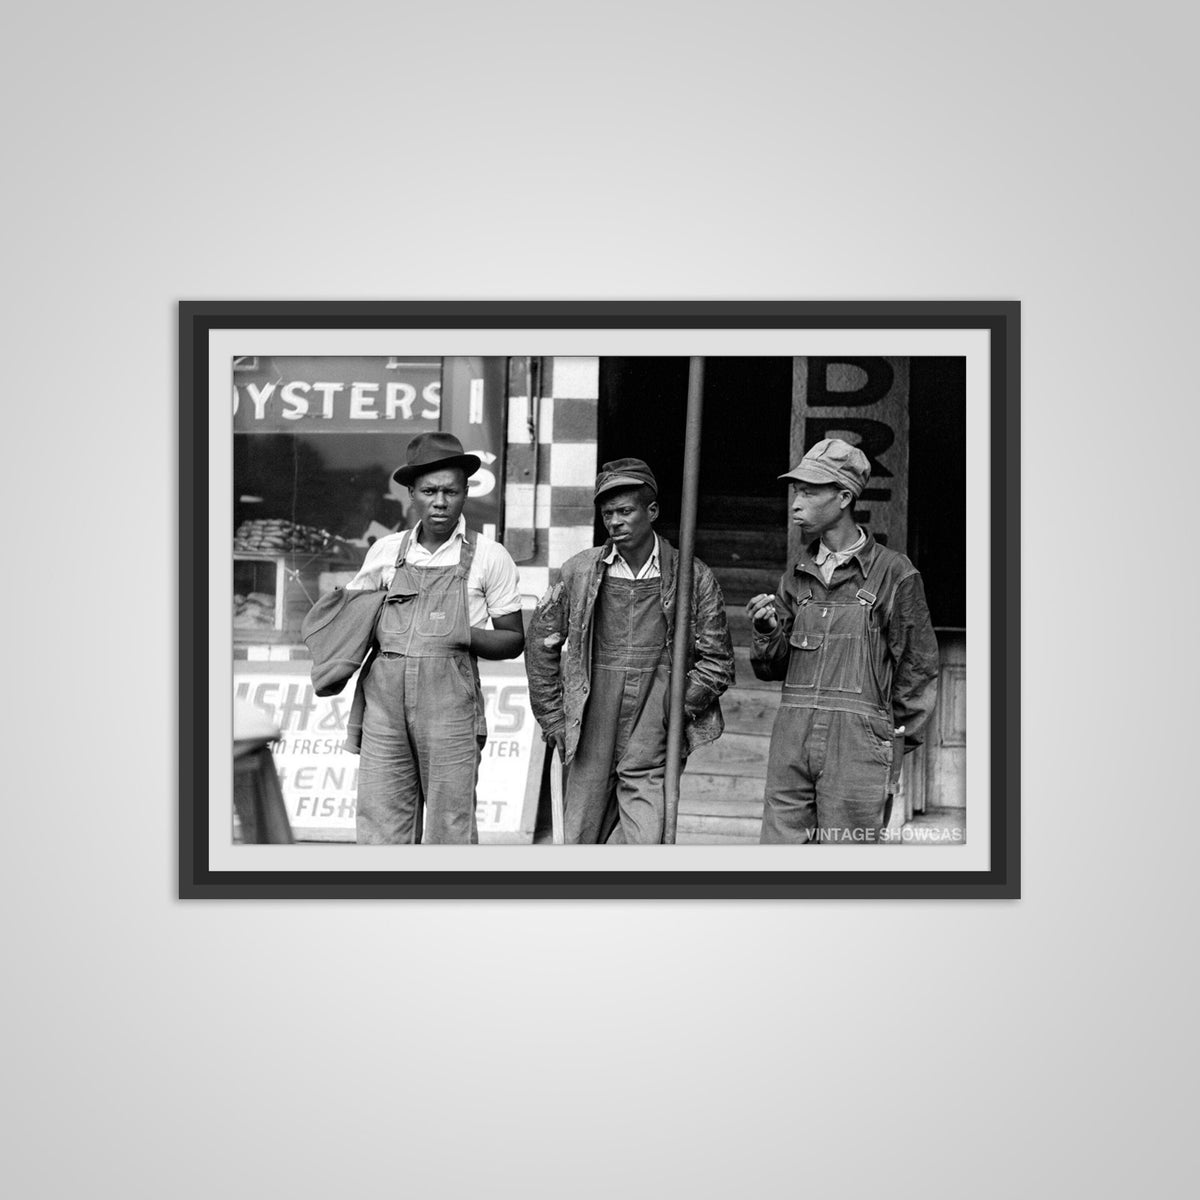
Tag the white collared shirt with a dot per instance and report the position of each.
(829, 560)
(493, 584)
(618, 568)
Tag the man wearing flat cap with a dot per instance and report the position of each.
(599, 664)
(422, 718)
(848, 632)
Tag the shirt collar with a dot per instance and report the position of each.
(841, 556)
(810, 555)
(613, 554)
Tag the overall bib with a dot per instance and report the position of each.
(831, 746)
(617, 772)
(423, 724)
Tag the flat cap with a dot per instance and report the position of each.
(833, 461)
(624, 473)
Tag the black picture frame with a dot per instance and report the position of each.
(998, 320)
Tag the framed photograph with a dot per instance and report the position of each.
(437, 560)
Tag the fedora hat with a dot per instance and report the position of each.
(434, 452)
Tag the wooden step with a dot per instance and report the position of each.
(742, 754)
(743, 547)
(744, 672)
(714, 510)
(728, 795)
(750, 710)
(750, 547)
(716, 806)
(738, 584)
(700, 826)
(707, 838)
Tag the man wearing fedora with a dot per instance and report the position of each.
(423, 720)
(599, 664)
(848, 632)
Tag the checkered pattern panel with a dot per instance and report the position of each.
(549, 513)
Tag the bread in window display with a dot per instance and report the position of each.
(255, 610)
(277, 536)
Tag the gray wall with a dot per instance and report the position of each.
(545, 1049)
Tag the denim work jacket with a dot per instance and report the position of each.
(558, 648)
(903, 646)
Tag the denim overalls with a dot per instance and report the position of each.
(423, 724)
(832, 746)
(617, 772)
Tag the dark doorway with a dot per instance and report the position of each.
(937, 485)
(742, 518)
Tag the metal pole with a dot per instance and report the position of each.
(683, 597)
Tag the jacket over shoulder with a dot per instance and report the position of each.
(339, 631)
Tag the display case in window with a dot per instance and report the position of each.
(278, 572)
(258, 592)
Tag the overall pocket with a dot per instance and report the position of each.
(877, 732)
(395, 619)
(846, 649)
(845, 663)
(804, 660)
(438, 613)
(465, 674)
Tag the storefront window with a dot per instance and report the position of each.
(315, 443)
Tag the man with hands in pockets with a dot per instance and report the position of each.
(599, 663)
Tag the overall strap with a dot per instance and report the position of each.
(868, 594)
(802, 580)
(467, 554)
(462, 575)
(402, 581)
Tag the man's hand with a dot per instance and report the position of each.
(761, 611)
(557, 740)
(690, 710)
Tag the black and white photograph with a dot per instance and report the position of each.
(460, 584)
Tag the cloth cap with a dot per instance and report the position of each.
(833, 461)
(434, 452)
(624, 473)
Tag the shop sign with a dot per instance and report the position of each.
(474, 410)
(337, 395)
(319, 779)
(864, 401)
